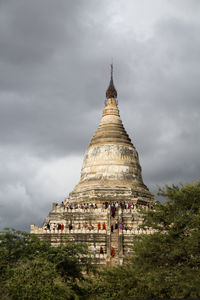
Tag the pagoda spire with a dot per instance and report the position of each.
(111, 91)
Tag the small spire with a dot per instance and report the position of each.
(111, 91)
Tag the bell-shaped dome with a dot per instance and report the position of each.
(111, 158)
(111, 168)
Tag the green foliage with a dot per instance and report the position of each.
(165, 264)
(32, 269)
(37, 279)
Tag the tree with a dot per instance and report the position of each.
(37, 279)
(32, 269)
(166, 264)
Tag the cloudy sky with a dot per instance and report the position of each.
(54, 61)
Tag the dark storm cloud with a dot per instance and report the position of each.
(31, 31)
(43, 66)
(54, 58)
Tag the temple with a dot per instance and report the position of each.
(103, 210)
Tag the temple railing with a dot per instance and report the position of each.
(62, 209)
(132, 231)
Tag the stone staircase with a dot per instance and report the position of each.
(114, 239)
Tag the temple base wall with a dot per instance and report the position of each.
(109, 235)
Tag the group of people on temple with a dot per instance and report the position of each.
(54, 226)
(112, 251)
(69, 205)
(100, 226)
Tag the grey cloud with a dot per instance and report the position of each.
(31, 31)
